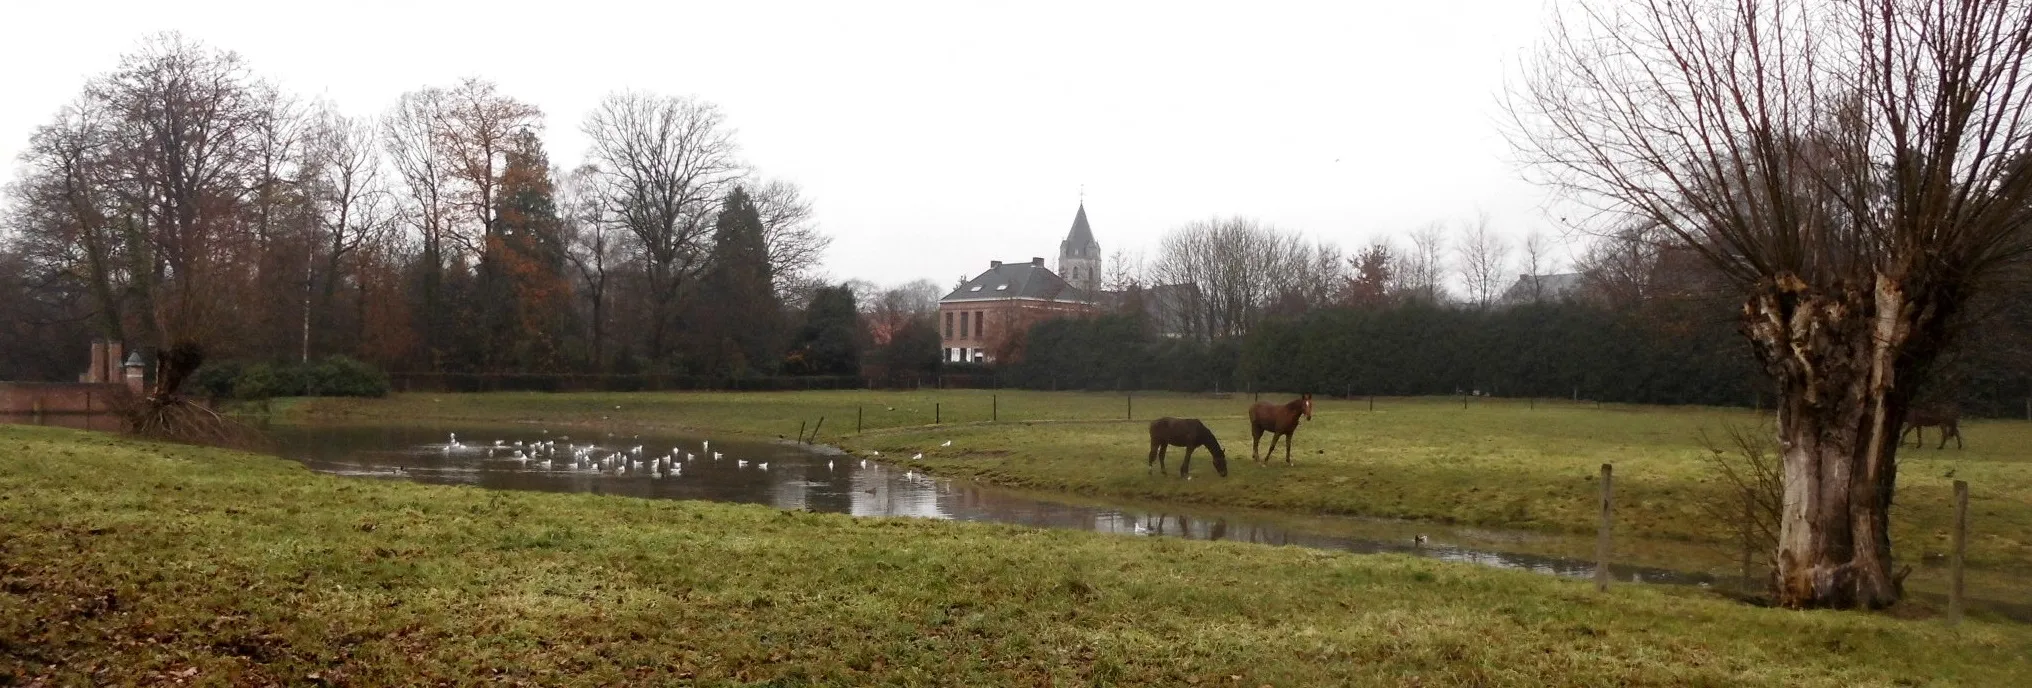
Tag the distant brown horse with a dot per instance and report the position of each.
(1184, 432)
(1947, 419)
(1280, 421)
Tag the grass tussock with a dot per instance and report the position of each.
(130, 562)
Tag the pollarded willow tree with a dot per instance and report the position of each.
(1859, 168)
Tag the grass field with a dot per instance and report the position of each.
(1507, 463)
(124, 562)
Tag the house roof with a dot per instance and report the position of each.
(1550, 287)
(1029, 280)
(1079, 243)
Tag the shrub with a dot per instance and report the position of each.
(336, 376)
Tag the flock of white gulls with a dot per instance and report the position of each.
(593, 458)
(635, 460)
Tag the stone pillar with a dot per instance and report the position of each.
(135, 371)
(114, 351)
(97, 371)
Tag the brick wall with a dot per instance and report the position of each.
(62, 397)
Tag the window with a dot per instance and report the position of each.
(948, 326)
(976, 288)
(1001, 287)
(963, 324)
(980, 325)
(948, 353)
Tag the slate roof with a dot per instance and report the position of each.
(1079, 243)
(1027, 280)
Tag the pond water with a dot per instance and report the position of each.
(789, 476)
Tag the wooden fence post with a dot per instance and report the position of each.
(857, 420)
(937, 414)
(1955, 590)
(815, 429)
(800, 431)
(994, 408)
(1131, 399)
(1602, 539)
(1372, 402)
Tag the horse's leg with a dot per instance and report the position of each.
(1273, 446)
(1256, 438)
(1185, 464)
(1155, 447)
(1162, 449)
(1289, 438)
(1905, 434)
(1957, 436)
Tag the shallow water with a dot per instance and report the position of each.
(788, 476)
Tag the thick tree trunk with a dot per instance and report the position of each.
(1838, 356)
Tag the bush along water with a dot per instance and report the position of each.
(336, 376)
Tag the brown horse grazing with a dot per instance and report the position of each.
(1280, 421)
(1184, 432)
(1947, 419)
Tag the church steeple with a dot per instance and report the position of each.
(1079, 256)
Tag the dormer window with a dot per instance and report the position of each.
(1001, 287)
(976, 288)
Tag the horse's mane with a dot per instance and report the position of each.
(1206, 437)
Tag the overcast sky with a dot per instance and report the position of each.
(933, 137)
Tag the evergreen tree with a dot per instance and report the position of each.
(830, 341)
(737, 320)
(521, 286)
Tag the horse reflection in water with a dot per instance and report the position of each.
(1184, 432)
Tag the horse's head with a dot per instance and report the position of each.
(1213, 446)
(1305, 401)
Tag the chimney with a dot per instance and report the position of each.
(994, 264)
(1037, 262)
(113, 351)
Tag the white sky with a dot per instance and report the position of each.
(933, 137)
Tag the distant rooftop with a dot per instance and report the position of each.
(1017, 281)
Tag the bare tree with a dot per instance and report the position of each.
(662, 164)
(1420, 271)
(1537, 262)
(63, 214)
(593, 247)
(352, 203)
(1238, 265)
(1617, 266)
(478, 127)
(796, 247)
(1125, 270)
(1858, 169)
(187, 118)
(1484, 261)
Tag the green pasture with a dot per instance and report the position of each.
(125, 562)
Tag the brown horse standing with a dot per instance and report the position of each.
(1281, 421)
(1184, 432)
(1947, 419)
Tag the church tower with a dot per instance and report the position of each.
(1079, 256)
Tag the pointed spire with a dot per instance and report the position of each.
(1082, 235)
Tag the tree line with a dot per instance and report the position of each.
(182, 200)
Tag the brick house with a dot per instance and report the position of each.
(977, 320)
